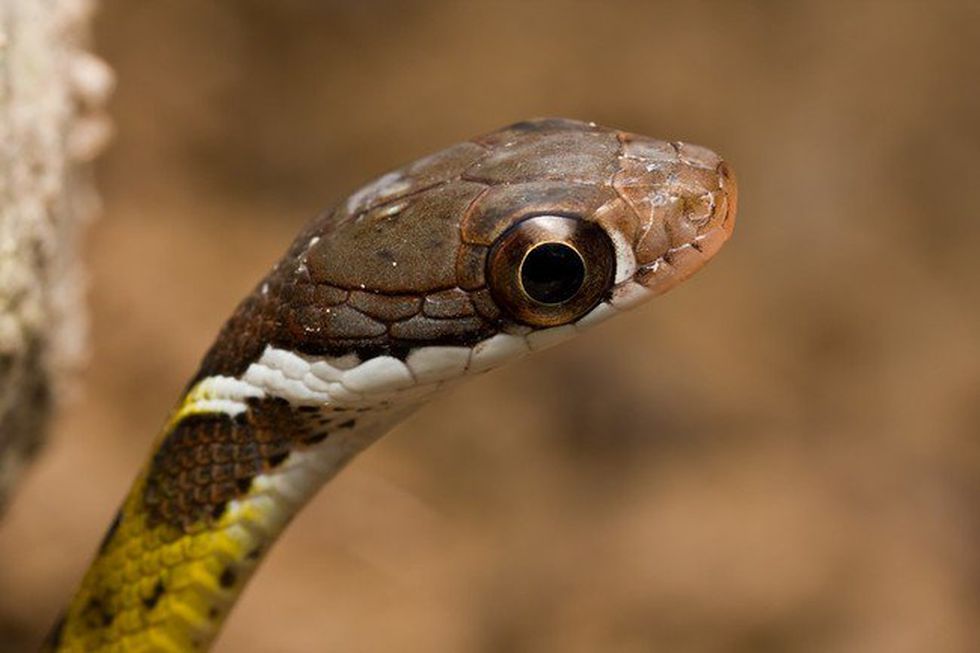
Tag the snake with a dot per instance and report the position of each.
(437, 272)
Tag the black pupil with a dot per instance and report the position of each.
(552, 273)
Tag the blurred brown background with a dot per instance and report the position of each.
(782, 455)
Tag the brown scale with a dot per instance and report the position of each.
(209, 459)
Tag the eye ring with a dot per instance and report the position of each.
(549, 270)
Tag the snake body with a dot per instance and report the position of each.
(446, 268)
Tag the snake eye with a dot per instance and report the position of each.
(550, 270)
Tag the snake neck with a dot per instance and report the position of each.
(235, 462)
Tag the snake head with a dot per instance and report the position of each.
(498, 245)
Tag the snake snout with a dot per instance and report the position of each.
(686, 202)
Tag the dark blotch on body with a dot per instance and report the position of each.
(315, 438)
(113, 527)
(227, 577)
(53, 640)
(151, 601)
(277, 459)
(97, 614)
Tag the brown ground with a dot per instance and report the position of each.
(782, 455)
